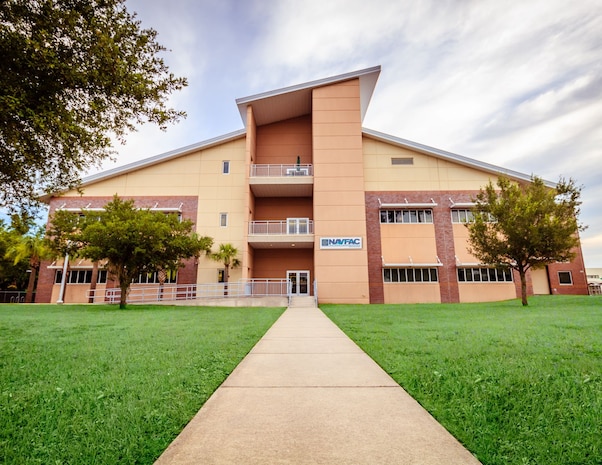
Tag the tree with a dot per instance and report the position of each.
(525, 226)
(74, 74)
(32, 248)
(134, 241)
(227, 255)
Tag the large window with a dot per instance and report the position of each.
(80, 276)
(153, 278)
(410, 275)
(406, 216)
(479, 275)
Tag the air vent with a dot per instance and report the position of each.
(402, 161)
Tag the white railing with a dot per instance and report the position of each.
(169, 292)
(280, 227)
(281, 170)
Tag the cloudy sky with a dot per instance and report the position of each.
(510, 82)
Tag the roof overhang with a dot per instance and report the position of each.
(295, 101)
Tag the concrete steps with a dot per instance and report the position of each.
(302, 302)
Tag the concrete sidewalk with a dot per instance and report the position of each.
(307, 394)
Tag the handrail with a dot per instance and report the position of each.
(274, 170)
(257, 287)
(280, 227)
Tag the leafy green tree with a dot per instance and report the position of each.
(32, 248)
(226, 255)
(133, 241)
(74, 75)
(525, 226)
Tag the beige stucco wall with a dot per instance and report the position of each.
(197, 174)
(405, 293)
(483, 292)
(427, 172)
(339, 203)
(405, 243)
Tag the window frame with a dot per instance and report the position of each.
(412, 275)
(406, 216)
(570, 276)
(484, 275)
(225, 166)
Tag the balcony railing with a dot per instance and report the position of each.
(281, 170)
(281, 227)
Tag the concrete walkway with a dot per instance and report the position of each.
(307, 394)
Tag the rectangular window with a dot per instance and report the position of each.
(402, 161)
(406, 216)
(565, 277)
(410, 275)
(221, 275)
(469, 275)
(153, 278)
(226, 167)
(223, 220)
(465, 215)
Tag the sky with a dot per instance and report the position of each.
(514, 83)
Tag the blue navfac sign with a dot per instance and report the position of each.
(340, 242)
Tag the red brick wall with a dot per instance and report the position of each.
(187, 204)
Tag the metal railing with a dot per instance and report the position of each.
(169, 292)
(12, 297)
(280, 227)
(281, 170)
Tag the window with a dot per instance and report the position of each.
(406, 216)
(223, 220)
(493, 275)
(153, 278)
(464, 215)
(226, 167)
(565, 277)
(410, 275)
(221, 275)
(402, 161)
(80, 276)
(461, 216)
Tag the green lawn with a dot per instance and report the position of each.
(515, 385)
(97, 385)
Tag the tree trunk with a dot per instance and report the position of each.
(124, 286)
(31, 285)
(523, 286)
(93, 283)
(226, 276)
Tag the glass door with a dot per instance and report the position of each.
(297, 225)
(299, 282)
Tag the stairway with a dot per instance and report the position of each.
(298, 301)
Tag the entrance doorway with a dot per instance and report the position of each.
(299, 282)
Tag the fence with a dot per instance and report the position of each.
(244, 288)
(12, 297)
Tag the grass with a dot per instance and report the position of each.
(515, 385)
(97, 385)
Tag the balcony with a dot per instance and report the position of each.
(290, 233)
(282, 180)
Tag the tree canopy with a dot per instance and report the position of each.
(132, 241)
(525, 226)
(74, 75)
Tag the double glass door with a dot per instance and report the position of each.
(297, 225)
(299, 282)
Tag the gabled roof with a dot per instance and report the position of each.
(294, 101)
(154, 160)
(451, 157)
